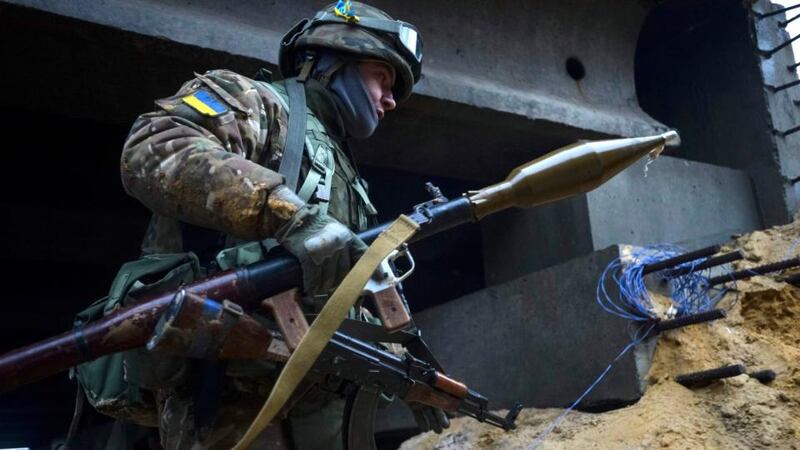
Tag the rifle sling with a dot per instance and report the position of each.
(326, 324)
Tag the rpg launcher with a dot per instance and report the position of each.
(566, 172)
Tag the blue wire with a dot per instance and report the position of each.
(557, 421)
(691, 294)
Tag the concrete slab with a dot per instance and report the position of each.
(682, 202)
(678, 201)
(540, 339)
(503, 75)
(509, 59)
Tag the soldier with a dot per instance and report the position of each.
(230, 160)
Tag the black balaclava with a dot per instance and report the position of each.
(350, 94)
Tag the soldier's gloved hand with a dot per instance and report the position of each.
(326, 248)
(429, 418)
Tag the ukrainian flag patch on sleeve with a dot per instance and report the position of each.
(204, 103)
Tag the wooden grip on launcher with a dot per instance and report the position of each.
(391, 309)
(285, 309)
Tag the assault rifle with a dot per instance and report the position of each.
(359, 370)
(564, 173)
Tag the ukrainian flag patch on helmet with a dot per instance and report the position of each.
(205, 103)
(346, 11)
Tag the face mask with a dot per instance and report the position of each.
(350, 94)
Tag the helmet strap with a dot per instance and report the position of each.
(305, 70)
(325, 78)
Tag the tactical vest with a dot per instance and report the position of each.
(330, 181)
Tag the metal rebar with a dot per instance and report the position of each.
(706, 316)
(680, 259)
(709, 263)
(790, 131)
(694, 378)
(783, 23)
(784, 86)
(793, 67)
(769, 53)
(777, 11)
(760, 270)
(793, 279)
(764, 376)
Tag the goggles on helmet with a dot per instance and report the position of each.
(407, 39)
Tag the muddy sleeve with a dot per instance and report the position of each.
(196, 158)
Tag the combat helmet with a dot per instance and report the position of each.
(361, 31)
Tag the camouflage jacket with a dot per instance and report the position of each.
(209, 155)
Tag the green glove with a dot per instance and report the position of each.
(326, 248)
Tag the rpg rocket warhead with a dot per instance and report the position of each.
(568, 171)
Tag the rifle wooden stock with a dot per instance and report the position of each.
(122, 330)
(198, 327)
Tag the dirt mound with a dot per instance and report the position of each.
(762, 331)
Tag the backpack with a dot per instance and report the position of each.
(119, 385)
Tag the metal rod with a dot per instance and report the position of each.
(793, 67)
(760, 270)
(783, 24)
(790, 131)
(777, 11)
(694, 378)
(680, 259)
(680, 322)
(769, 53)
(764, 376)
(784, 86)
(794, 279)
(709, 263)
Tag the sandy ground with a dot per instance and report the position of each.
(762, 331)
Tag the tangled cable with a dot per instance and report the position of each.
(691, 292)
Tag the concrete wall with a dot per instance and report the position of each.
(508, 60)
(710, 81)
(540, 339)
(784, 110)
(679, 201)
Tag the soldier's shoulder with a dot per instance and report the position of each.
(230, 80)
(272, 93)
